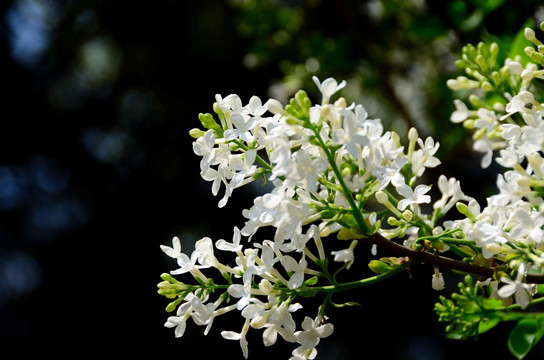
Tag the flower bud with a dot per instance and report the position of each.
(530, 34)
(480, 61)
(379, 267)
(265, 286)
(453, 84)
(196, 133)
(515, 67)
(438, 281)
(494, 49)
(413, 135)
(486, 85)
(464, 209)
(274, 106)
(381, 197)
(341, 102)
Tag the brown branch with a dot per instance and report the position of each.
(438, 260)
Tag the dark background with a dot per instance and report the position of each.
(97, 170)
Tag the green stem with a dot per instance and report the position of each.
(359, 283)
(330, 157)
(259, 159)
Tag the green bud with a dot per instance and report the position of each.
(537, 57)
(475, 101)
(196, 133)
(379, 267)
(303, 101)
(171, 307)
(461, 64)
(438, 244)
(529, 50)
(494, 49)
(393, 221)
(464, 209)
(487, 86)
(209, 122)
(542, 26)
(217, 109)
(480, 61)
(169, 278)
(496, 77)
(469, 124)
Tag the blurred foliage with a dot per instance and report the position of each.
(396, 55)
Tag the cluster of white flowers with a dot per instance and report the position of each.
(509, 228)
(326, 162)
(336, 173)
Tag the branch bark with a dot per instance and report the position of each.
(438, 260)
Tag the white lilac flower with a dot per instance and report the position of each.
(297, 268)
(234, 246)
(175, 250)
(205, 146)
(486, 120)
(203, 314)
(242, 127)
(521, 103)
(179, 322)
(312, 332)
(485, 146)
(346, 255)
(521, 291)
(529, 225)
(241, 336)
(412, 197)
(328, 88)
(461, 113)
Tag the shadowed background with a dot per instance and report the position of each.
(97, 170)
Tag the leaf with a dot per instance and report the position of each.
(522, 337)
(311, 281)
(517, 47)
(488, 323)
(349, 303)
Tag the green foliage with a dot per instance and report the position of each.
(469, 312)
(525, 335)
(472, 312)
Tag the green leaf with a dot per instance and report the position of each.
(488, 323)
(519, 43)
(311, 281)
(522, 337)
(349, 303)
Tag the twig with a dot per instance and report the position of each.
(438, 260)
